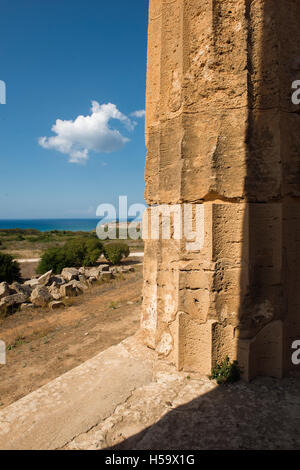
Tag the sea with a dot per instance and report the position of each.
(46, 225)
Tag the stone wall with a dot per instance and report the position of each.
(222, 132)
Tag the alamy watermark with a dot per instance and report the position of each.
(2, 352)
(296, 353)
(2, 92)
(296, 93)
(174, 221)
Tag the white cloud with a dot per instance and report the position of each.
(88, 133)
(139, 114)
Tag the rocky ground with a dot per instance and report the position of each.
(43, 344)
(50, 290)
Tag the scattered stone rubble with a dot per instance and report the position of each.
(48, 290)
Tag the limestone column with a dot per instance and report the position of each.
(222, 133)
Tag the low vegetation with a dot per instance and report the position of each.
(114, 252)
(31, 243)
(114, 305)
(226, 372)
(9, 269)
(81, 252)
(74, 253)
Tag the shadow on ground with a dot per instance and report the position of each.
(264, 414)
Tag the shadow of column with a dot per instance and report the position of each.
(269, 309)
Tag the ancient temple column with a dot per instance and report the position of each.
(223, 140)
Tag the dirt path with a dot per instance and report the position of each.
(43, 345)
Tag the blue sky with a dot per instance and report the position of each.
(57, 57)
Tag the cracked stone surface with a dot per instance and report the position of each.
(178, 411)
(128, 398)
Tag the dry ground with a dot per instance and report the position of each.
(28, 270)
(43, 344)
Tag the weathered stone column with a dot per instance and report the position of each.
(222, 133)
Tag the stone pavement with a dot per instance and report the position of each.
(175, 412)
(53, 415)
(125, 398)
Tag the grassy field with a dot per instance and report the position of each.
(32, 243)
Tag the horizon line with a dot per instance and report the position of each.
(66, 218)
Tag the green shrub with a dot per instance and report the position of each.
(19, 237)
(12, 231)
(114, 252)
(226, 372)
(94, 249)
(53, 258)
(74, 253)
(9, 269)
(42, 238)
